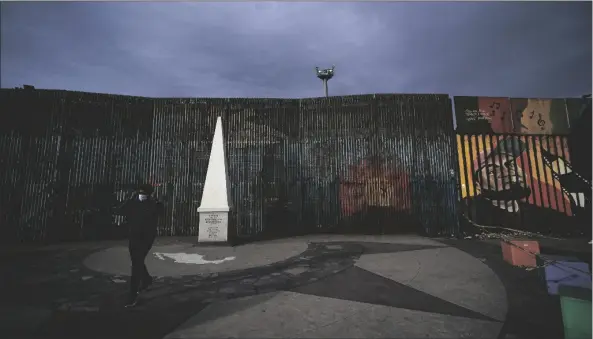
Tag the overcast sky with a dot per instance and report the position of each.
(267, 49)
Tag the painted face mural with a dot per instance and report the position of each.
(500, 178)
(518, 182)
(499, 174)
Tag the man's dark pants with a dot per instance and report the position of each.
(139, 246)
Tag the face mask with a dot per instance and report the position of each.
(142, 197)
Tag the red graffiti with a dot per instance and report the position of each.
(373, 182)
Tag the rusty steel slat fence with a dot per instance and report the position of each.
(523, 182)
(365, 164)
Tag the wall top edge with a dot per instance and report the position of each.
(256, 99)
(513, 98)
(517, 135)
(243, 99)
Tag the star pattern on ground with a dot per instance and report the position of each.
(360, 285)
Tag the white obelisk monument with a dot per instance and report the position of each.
(215, 205)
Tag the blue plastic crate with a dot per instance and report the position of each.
(566, 271)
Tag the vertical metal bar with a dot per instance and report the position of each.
(493, 155)
(535, 159)
(567, 114)
(551, 149)
(516, 153)
(524, 166)
(528, 166)
(544, 176)
(463, 177)
(472, 157)
(563, 155)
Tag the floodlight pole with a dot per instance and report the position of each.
(325, 75)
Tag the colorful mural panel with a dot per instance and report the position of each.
(540, 116)
(485, 115)
(520, 182)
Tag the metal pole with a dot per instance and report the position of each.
(325, 87)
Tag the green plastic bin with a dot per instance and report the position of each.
(576, 311)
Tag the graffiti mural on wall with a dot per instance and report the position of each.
(511, 115)
(378, 191)
(483, 115)
(520, 182)
(540, 116)
(369, 184)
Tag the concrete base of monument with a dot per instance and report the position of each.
(228, 243)
(214, 227)
(181, 259)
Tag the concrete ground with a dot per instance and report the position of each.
(303, 287)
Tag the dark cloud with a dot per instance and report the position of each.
(269, 49)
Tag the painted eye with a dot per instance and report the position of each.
(509, 164)
(491, 169)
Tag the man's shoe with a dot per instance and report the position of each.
(132, 301)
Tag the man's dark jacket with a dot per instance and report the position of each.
(142, 216)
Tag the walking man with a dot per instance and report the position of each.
(141, 212)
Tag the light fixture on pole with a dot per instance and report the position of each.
(325, 75)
